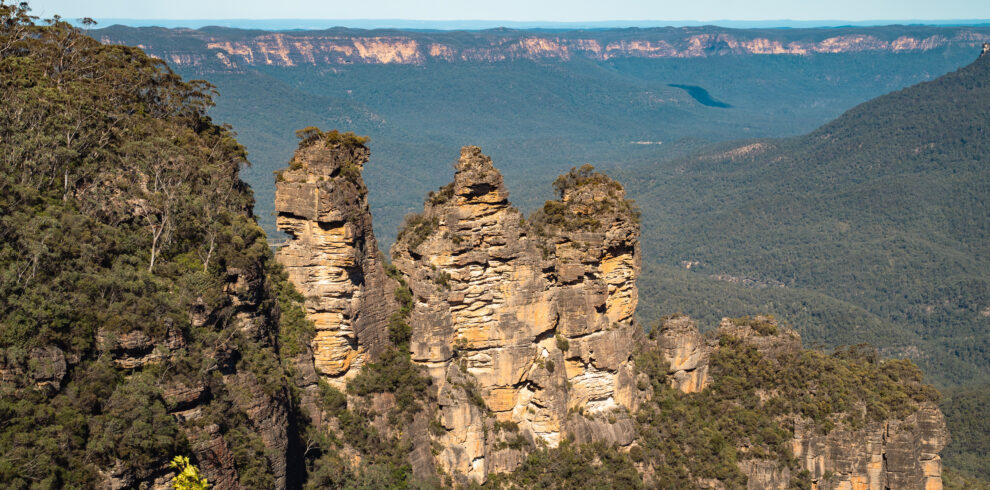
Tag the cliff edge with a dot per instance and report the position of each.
(521, 334)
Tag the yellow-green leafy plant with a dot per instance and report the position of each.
(188, 477)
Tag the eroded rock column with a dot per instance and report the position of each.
(522, 323)
(332, 257)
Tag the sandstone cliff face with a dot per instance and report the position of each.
(333, 258)
(900, 454)
(687, 352)
(350, 47)
(539, 327)
(889, 454)
(266, 407)
(893, 453)
(189, 400)
(526, 327)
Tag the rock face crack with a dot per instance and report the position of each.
(493, 293)
(892, 453)
(526, 322)
(333, 258)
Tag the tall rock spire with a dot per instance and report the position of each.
(533, 319)
(332, 257)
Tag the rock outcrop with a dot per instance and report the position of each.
(215, 51)
(534, 318)
(526, 326)
(41, 368)
(333, 257)
(520, 324)
(687, 352)
(892, 453)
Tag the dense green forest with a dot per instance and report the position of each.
(873, 228)
(536, 118)
(142, 318)
(121, 211)
(883, 210)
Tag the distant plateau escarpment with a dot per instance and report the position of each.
(232, 49)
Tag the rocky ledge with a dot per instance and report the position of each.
(526, 330)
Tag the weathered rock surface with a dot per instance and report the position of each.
(687, 352)
(889, 454)
(136, 348)
(526, 326)
(333, 257)
(539, 325)
(217, 51)
(41, 368)
(893, 453)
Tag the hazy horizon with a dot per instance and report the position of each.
(539, 12)
(478, 24)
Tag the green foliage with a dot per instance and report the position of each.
(399, 330)
(581, 177)
(384, 456)
(188, 477)
(761, 325)
(557, 214)
(562, 343)
(331, 399)
(953, 479)
(393, 373)
(416, 229)
(351, 172)
(134, 427)
(571, 466)
(753, 400)
(295, 330)
(442, 279)
(966, 410)
(123, 213)
(690, 437)
(586, 198)
(312, 134)
(250, 458)
(441, 196)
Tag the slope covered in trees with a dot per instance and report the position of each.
(123, 223)
(538, 117)
(873, 228)
(884, 209)
(142, 317)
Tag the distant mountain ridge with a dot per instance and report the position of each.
(884, 208)
(232, 49)
(546, 106)
(469, 25)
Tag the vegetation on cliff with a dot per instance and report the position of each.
(123, 220)
(142, 317)
(586, 197)
(749, 410)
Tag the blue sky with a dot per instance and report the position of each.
(520, 10)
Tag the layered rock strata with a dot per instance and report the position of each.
(528, 323)
(893, 453)
(213, 50)
(333, 257)
(526, 326)
(687, 351)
